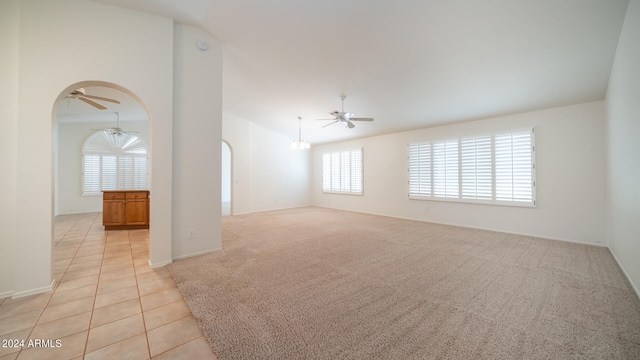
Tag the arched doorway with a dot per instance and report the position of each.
(226, 171)
(81, 110)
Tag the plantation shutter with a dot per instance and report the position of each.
(356, 171)
(419, 169)
(114, 162)
(326, 172)
(125, 172)
(342, 172)
(514, 167)
(335, 172)
(475, 168)
(445, 168)
(109, 170)
(141, 173)
(490, 169)
(91, 173)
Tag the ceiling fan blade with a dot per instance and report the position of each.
(101, 98)
(350, 125)
(331, 123)
(93, 103)
(361, 119)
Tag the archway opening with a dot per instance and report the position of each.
(81, 110)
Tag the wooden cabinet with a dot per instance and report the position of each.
(125, 209)
(113, 209)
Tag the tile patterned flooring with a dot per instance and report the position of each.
(107, 302)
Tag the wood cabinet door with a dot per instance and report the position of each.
(136, 212)
(113, 212)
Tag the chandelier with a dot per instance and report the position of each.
(300, 144)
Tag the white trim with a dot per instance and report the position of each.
(6, 294)
(196, 254)
(21, 294)
(475, 227)
(626, 274)
(159, 265)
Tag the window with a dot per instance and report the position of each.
(420, 169)
(342, 172)
(493, 169)
(475, 167)
(445, 169)
(114, 162)
(514, 169)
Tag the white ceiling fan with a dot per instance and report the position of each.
(345, 117)
(80, 94)
(117, 130)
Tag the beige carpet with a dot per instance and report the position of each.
(314, 283)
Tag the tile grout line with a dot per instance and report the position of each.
(135, 271)
(53, 291)
(95, 295)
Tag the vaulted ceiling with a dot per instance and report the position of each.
(407, 63)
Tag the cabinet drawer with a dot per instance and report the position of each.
(112, 195)
(137, 195)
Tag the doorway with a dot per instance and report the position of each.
(81, 110)
(226, 179)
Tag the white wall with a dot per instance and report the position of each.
(71, 138)
(113, 45)
(197, 137)
(9, 65)
(267, 174)
(570, 158)
(623, 129)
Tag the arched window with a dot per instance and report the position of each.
(114, 161)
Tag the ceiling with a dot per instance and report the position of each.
(407, 63)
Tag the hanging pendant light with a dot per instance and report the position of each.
(300, 144)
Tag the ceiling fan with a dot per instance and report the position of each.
(345, 117)
(116, 130)
(80, 94)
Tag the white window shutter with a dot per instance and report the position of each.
(445, 169)
(476, 167)
(491, 169)
(90, 174)
(326, 172)
(356, 172)
(420, 169)
(114, 162)
(109, 169)
(342, 172)
(514, 167)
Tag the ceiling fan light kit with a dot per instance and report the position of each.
(116, 130)
(300, 144)
(344, 117)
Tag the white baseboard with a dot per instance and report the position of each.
(21, 294)
(624, 271)
(6, 294)
(159, 265)
(196, 254)
(473, 227)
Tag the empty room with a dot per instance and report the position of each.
(320, 180)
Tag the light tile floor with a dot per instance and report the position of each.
(107, 302)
